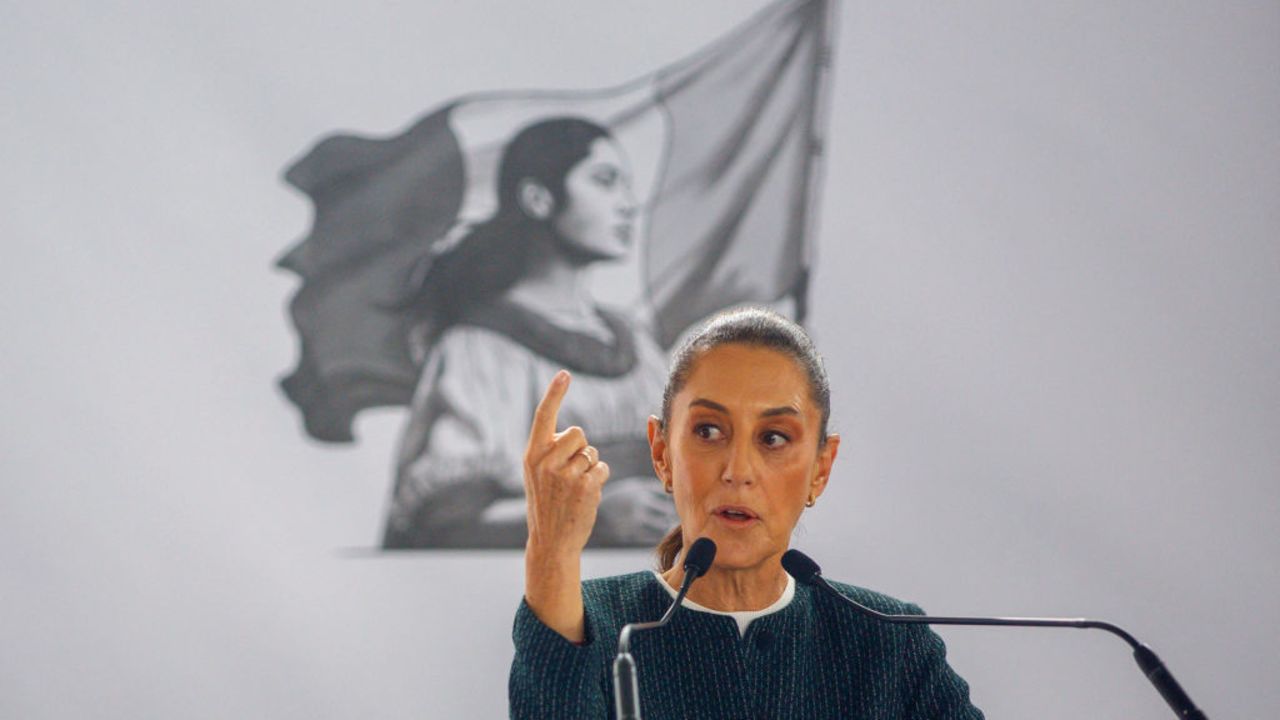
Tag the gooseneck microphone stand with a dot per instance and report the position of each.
(626, 687)
(805, 570)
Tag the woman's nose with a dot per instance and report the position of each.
(739, 468)
(628, 205)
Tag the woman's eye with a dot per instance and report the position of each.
(774, 439)
(606, 178)
(707, 432)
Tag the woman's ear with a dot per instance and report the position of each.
(826, 458)
(659, 451)
(535, 199)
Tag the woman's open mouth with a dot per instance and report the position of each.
(736, 515)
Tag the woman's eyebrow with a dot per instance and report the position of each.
(771, 412)
(712, 404)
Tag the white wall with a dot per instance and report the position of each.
(1049, 293)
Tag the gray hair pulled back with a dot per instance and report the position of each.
(754, 327)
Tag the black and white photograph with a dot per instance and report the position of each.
(450, 267)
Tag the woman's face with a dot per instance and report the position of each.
(742, 452)
(599, 214)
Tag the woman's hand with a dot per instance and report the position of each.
(563, 477)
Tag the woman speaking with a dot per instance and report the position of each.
(742, 447)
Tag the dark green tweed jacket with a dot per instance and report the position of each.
(813, 659)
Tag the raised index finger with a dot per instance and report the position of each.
(543, 430)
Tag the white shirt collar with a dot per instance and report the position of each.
(742, 617)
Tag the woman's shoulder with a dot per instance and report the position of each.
(475, 339)
(840, 623)
(611, 354)
(610, 602)
(875, 600)
(468, 364)
(475, 351)
(626, 594)
(634, 584)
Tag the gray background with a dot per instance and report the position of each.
(1048, 294)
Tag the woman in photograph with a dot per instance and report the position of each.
(743, 446)
(502, 310)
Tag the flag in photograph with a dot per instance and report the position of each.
(724, 148)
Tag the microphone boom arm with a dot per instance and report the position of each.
(1147, 660)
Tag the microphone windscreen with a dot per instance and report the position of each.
(800, 566)
(698, 560)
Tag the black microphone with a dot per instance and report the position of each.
(805, 570)
(626, 687)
